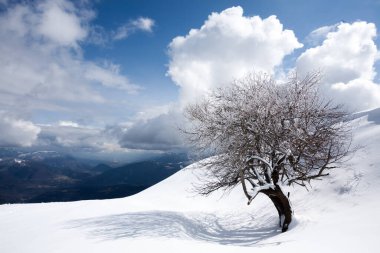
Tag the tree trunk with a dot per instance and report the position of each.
(282, 204)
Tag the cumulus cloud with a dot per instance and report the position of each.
(41, 56)
(346, 58)
(318, 35)
(43, 72)
(68, 134)
(227, 47)
(71, 135)
(59, 23)
(41, 61)
(158, 133)
(140, 24)
(358, 94)
(345, 54)
(56, 21)
(17, 132)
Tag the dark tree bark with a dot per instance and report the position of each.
(282, 204)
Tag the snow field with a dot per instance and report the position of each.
(338, 214)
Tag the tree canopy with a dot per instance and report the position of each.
(263, 133)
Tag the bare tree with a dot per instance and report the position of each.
(264, 134)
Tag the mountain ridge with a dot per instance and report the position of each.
(30, 178)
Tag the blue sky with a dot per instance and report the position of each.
(112, 77)
(147, 53)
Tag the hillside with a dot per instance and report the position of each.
(338, 214)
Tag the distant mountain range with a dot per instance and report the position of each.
(46, 176)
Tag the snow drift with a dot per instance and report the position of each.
(338, 214)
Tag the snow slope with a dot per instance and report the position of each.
(339, 214)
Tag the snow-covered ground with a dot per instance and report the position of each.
(338, 214)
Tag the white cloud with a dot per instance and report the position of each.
(122, 32)
(60, 23)
(69, 134)
(57, 21)
(109, 76)
(17, 132)
(155, 111)
(140, 24)
(43, 73)
(55, 75)
(144, 24)
(158, 133)
(358, 94)
(41, 57)
(227, 47)
(88, 142)
(68, 123)
(346, 58)
(346, 54)
(318, 35)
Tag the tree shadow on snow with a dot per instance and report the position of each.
(243, 230)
